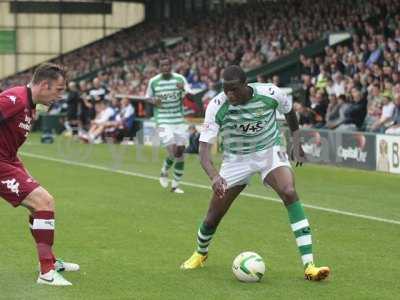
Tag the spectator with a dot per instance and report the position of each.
(319, 106)
(355, 113)
(374, 113)
(322, 80)
(374, 95)
(306, 88)
(336, 112)
(98, 91)
(332, 111)
(395, 126)
(211, 93)
(123, 125)
(262, 78)
(329, 87)
(276, 81)
(386, 116)
(73, 100)
(127, 114)
(197, 84)
(194, 136)
(86, 105)
(338, 84)
(305, 115)
(103, 115)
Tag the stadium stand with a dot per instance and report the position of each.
(350, 87)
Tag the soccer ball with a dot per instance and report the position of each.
(248, 267)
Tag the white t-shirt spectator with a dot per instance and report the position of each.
(338, 88)
(387, 111)
(126, 112)
(104, 115)
(98, 93)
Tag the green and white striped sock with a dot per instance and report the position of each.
(302, 231)
(204, 236)
(167, 164)
(178, 170)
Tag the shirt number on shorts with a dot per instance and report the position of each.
(282, 156)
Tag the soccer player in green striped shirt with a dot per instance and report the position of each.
(169, 88)
(244, 116)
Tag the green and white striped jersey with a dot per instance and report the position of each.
(246, 128)
(171, 110)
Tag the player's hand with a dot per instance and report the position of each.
(180, 86)
(219, 186)
(156, 101)
(297, 154)
(296, 151)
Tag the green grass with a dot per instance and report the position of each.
(130, 236)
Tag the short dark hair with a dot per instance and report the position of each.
(48, 71)
(234, 73)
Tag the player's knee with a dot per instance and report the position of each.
(44, 201)
(50, 203)
(288, 194)
(179, 153)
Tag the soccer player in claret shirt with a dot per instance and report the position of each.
(244, 115)
(17, 111)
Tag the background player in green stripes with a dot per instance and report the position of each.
(244, 115)
(169, 88)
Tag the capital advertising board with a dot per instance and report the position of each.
(356, 150)
(316, 145)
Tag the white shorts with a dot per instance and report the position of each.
(173, 134)
(238, 169)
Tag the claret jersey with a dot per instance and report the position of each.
(17, 112)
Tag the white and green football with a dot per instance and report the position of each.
(248, 267)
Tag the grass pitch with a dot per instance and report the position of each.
(130, 236)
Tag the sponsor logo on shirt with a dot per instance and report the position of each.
(26, 125)
(12, 184)
(249, 128)
(12, 98)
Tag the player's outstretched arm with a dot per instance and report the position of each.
(296, 152)
(150, 99)
(218, 183)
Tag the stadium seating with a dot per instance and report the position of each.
(255, 35)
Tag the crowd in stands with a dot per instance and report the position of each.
(356, 86)
(95, 114)
(351, 87)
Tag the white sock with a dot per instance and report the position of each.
(174, 184)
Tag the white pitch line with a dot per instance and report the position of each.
(97, 167)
